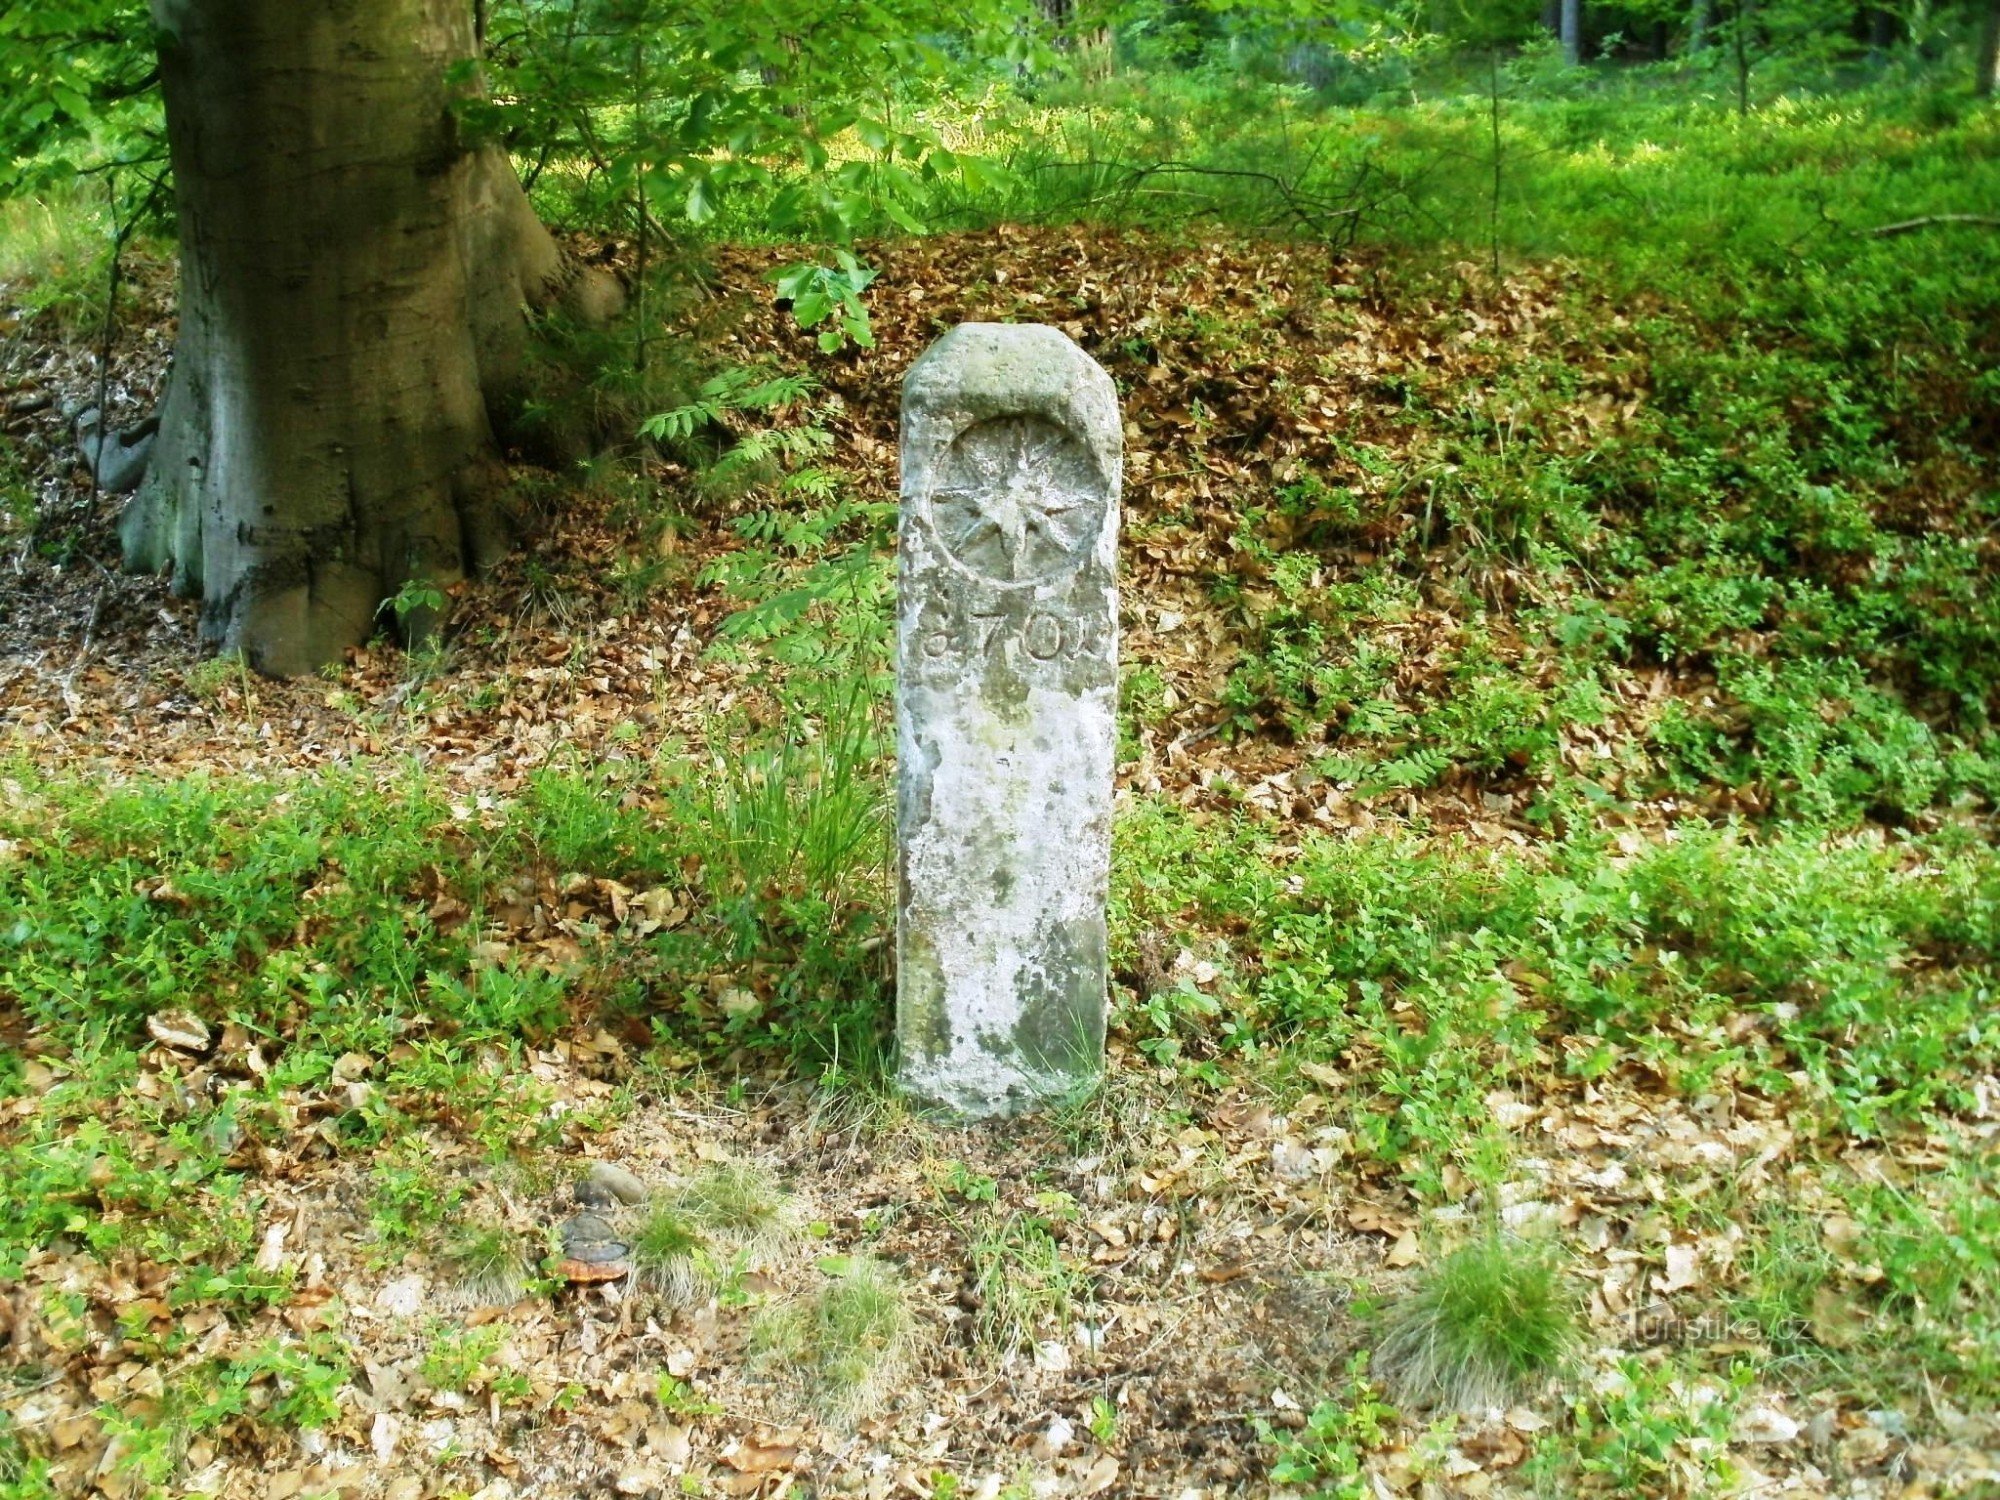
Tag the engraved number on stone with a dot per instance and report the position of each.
(991, 632)
(1044, 637)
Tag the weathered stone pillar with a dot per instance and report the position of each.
(1007, 689)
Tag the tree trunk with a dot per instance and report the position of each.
(1572, 31)
(1986, 80)
(1700, 15)
(1882, 28)
(354, 278)
(1740, 32)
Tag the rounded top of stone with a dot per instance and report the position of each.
(995, 369)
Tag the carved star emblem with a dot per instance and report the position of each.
(1013, 517)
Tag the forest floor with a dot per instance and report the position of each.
(252, 1233)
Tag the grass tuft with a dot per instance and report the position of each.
(13, 1457)
(844, 1346)
(666, 1254)
(490, 1265)
(740, 1205)
(1029, 1290)
(53, 257)
(1480, 1328)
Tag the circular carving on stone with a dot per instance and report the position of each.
(1018, 500)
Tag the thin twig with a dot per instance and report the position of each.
(1907, 226)
(121, 234)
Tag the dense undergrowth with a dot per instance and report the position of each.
(1761, 450)
(1764, 450)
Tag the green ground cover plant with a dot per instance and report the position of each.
(1459, 964)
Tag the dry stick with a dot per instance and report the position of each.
(66, 682)
(1985, 221)
(600, 164)
(109, 332)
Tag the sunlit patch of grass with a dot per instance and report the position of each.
(790, 832)
(843, 1347)
(1480, 1328)
(1894, 1293)
(13, 1457)
(740, 1205)
(856, 1106)
(55, 249)
(39, 237)
(209, 680)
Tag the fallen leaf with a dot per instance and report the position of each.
(271, 1252)
(1102, 1475)
(1836, 1321)
(1495, 1447)
(1373, 1218)
(752, 1456)
(1842, 1234)
(1765, 1424)
(179, 1029)
(1683, 1268)
(403, 1297)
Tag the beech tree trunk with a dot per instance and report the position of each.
(354, 279)
(1572, 32)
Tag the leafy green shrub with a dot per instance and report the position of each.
(1818, 741)
(1646, 1422)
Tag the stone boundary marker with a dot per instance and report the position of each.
(1006, 731)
